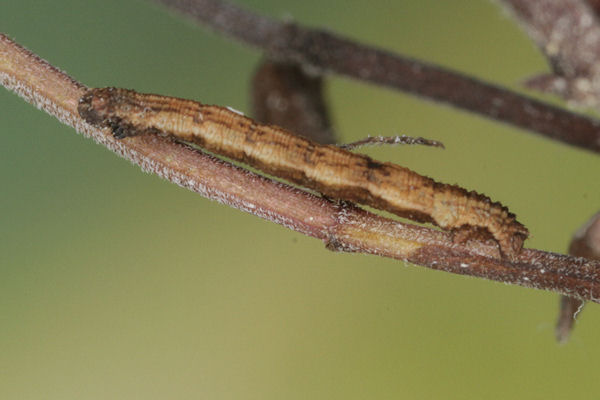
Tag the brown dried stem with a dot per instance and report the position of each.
(343, 227)
(324, 51)
(285, 95)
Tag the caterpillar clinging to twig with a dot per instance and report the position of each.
(328, 169)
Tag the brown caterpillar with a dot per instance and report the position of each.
(328, 169)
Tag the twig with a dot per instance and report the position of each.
(343, 227)
(324, 51)
(391, 140)
(285, 95)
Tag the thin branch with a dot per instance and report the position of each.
(285, 95)
(343, 227)
(391, 140)
(324, 51)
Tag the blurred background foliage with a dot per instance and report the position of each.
(117, 284)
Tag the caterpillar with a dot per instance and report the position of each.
(331, 170)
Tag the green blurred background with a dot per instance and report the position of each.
(117, 284)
